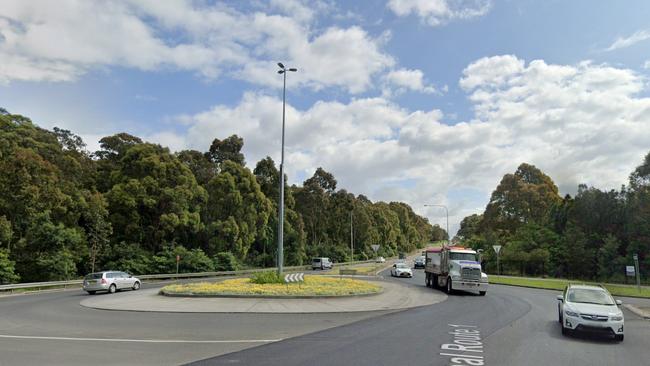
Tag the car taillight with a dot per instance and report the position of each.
(104, 281)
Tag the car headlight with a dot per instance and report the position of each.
(571, 313)
(617, 318)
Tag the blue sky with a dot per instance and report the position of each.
(419, 101)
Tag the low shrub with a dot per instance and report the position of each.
(265, 277)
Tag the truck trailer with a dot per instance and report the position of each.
(454, 268)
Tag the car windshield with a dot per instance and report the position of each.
(420, 259)
(589, 296)
(462, 256)
(401, 265)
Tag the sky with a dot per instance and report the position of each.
(420, 101)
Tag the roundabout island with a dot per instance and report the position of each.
(318, 294)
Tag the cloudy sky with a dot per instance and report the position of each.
(422, 101)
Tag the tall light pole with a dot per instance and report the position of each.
(447, 211)
(282, 71)
(351, 237)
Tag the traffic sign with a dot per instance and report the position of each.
(375, 247)
(294, 277)
(497, 248)
(629, 271)
(635, 257)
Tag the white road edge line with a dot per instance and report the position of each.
(140, 340)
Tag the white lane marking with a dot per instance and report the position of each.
(140, 340)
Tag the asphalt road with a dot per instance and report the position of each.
(513, 326)
(509, 326)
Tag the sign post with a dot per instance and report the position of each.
(497, 249)
(178, 259)
(636, 267)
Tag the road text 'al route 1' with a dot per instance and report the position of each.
(466, 347)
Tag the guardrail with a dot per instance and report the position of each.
(164, 276)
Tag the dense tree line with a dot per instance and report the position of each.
(135, 206)
(592, 235)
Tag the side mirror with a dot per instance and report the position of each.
(394, 265)
(560, 298)
(619, 302)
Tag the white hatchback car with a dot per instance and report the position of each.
(590, 309)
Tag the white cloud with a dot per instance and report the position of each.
(59, 41)
(439, 12)
(646, 65)
(635, 38)
(582, 123)
(410, 80)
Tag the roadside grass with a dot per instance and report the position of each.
(313, 286)
(557, 284)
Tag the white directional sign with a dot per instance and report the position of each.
(629, 271)
(375, 247)
(497, 248)
(294, 277)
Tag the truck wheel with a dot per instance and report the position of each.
(434, 281)
(449, 289)
(427, 281)
(482, 293)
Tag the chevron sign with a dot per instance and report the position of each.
(294, 277)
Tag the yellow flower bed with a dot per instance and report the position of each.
(313, 286)
(364, 270)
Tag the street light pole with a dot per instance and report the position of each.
(351, 237)
(447, 212)
(282, 71)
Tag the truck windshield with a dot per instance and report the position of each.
(462, 256)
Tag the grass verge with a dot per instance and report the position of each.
(554, 284)
(313, 286)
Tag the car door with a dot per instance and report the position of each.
(128, 280)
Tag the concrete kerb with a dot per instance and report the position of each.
(638, 311)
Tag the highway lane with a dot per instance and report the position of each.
(515, 326)
(63, 327)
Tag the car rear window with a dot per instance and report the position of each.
(316, 260)
(93, 276)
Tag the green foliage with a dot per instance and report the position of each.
(265, 277)
(225, 261)
(65, 212)
(590, 236)
(7, 268)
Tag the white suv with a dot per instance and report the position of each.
(590, 309)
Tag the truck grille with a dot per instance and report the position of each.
(470, 274)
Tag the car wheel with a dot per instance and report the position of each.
(136, 286)
(449, 289)
(620, 337)
(482, 293)
(91, 292)
(565, 331)
(559, 314)
(112, 289)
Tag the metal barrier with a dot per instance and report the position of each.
(166, 276)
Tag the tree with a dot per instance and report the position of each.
(154, 198)
(469, 226)
(237, 210)
(98, 228)
(228, 149)
(7, 268)
(200, 165)
(524, 196)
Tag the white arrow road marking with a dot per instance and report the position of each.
(140, 340)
